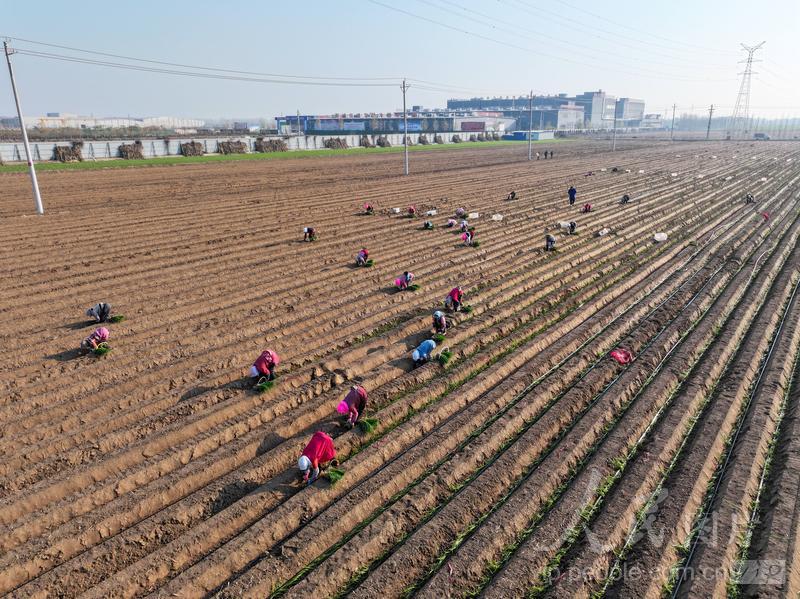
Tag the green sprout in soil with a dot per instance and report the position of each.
(466, 309)
(369, 262)
(367, 425)
(439, 338)
(476, 244)
(334, 475)
(102, 349)
(413, 287)
(263, 385)
(444, 357)
(117, 318)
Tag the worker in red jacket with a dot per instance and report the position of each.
(318, 455)
(264, 366)
(454, 299)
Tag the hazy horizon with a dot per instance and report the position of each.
(684, 53)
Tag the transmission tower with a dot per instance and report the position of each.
(738, 123)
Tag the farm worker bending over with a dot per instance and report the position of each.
(439, 322)
(468, 236)
(451, 222)
(423, 353)
(512, 196)
(454, 299)
(309, 234)
(265, 364)
(586, 208)
(368, 208)
(354, 404)
(97, 337)
(427, 225)
(573, 226)
(749, 199)
(404, 281)
(317, 455)
(99, 312)
(572, 194)
(412, 210)
(549, 243)
(625, 199)
(460, 212)
(464, 226)
(362, 257)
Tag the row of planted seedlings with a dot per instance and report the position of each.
(539, 550)
(486, 549)
(739, 477)
(774, 508)
(327, 570)
(540, 435)
(641, 477)
(704, 448)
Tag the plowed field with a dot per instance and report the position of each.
(532, 463)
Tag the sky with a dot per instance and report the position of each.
(679, 52)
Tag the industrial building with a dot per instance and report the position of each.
(629, 112)
(591, 110)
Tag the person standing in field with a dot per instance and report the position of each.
(317, 455)
(549, 243)
(573, 193)
(353, 405)
(309, 234)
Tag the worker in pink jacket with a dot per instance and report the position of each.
(353, 405)
(97, 337)
(318, 455)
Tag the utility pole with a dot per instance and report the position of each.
(530, 125)
(708, 129)
(404, 87)
(34, 183)
(672, 129)
(614, 134)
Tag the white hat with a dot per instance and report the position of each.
(303, 463)
(415, 355)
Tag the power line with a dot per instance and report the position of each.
(525, 49)
(650, 34)
(516, 27)
(203, 68)
(141, 68)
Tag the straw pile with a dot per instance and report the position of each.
(410, 141)
(423, 140)
(472, 137)
(69, 153)
(437, 139)
(192, 148)
(456, 139)
(383, 142)
(496, 136)
(232, 147)
(365, 142)
(271, 145)
(134, 151)
(481, 137)
(335, 143)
